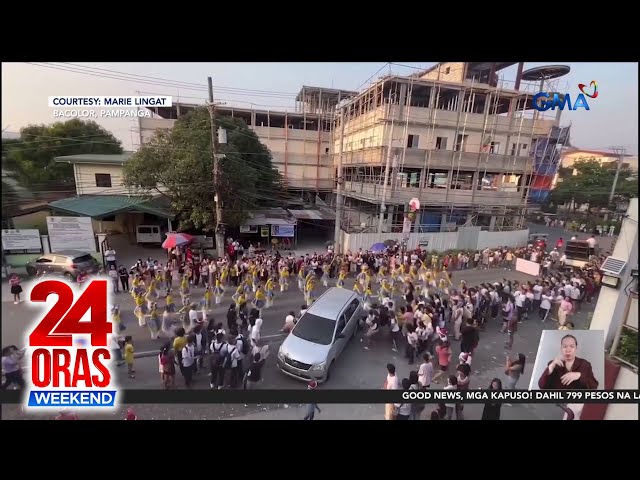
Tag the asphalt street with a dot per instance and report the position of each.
(356, 368)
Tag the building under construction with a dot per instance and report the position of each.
(454, 136)
(299, 141)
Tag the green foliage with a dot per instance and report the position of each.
(179, 164)
(592, 185)
(628, 347)
(31, 158)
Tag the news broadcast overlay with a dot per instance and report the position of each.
(106, 106)
(569, 359)
(68, 347)
(88, 398)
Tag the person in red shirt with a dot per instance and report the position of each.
(567, 371)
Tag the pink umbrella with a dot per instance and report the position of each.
(176, 239)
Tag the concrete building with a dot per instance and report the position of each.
(616, 313)
(299, 141)
(453, 136)
(101, 195)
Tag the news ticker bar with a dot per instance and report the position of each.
(342, 396)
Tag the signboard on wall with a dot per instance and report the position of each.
(21, 240)
(283, 231)
(71, 233)
(264, 232)
(248, 229)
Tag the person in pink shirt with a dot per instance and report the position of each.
(565, 310)
(16, 288)
(444, 358)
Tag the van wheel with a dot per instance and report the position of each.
(69, 277)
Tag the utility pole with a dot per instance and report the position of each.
(219, 235)
(620, 151)
(336, 235)
(383, 206)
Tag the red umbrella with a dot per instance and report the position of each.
(176, 240)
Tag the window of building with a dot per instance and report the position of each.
(518, 149)
(110, 218)
(494, 147)
(447, 70)
(103, 180)
(437, 179)
(441, 143)
(412, 141)
(460, 142)
(326, 150)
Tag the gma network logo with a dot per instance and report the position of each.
(544, 101)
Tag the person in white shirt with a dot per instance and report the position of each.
(193, 316)
(255, 331)
(113, 274)
(592, 241)
(545, 306)
(537, 292)
(452, 384)
(233, 363)
(425, 371)
(110, 257)
(519, 298)
(289, 323)
(390, 383)
(219, 350)
(188, 361)
(465, 358)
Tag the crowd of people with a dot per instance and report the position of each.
(414, 295)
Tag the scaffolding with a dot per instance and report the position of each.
(483, 167)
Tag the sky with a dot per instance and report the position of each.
(611, 121)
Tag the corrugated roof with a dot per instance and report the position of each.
(313, 214)
(105, 205)
(95, 158)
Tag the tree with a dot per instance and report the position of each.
(31, 159)
(592, 185)
(179, 164)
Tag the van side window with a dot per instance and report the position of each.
(351, 309)
(342, 323)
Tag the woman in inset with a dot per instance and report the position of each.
(567, 371)
(491, 411)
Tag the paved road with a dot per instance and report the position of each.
(357, 368)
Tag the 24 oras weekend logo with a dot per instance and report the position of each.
(68, 347)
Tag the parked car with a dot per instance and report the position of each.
(67, 263)
(321, 335)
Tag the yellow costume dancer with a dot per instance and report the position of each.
(325, 274)
(357, 288)
(242, 298)
(301, 278)
(362, 278)
(233, 271)
(140, 303)
(184, 285)
(255, 279)
(116, 319)
(396, 273)
(153, 322)
(341, 277)
(170, 307)
(308, 295)
(239, 291)
(385, 289)
(367, 293)
(224, 275)
(434, 263)
(218, 291)
(413, 273)
(284, 279)
(269, 287)
(261, 299)
(422, 272)
(382, 273)
(206, 300)
(248, 284)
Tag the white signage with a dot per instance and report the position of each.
(21, 240)
(71, 233)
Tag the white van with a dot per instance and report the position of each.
(148, 234)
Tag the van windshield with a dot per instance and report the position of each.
(315, 329)
(83, 259)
